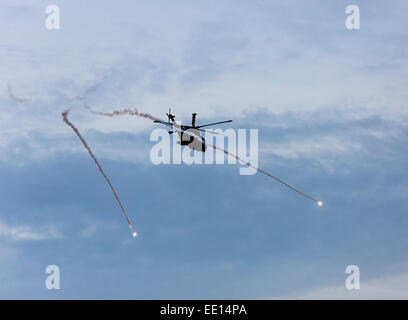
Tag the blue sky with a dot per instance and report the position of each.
(330, 105)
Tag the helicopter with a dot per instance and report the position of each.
(189, 134)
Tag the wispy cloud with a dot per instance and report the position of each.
(28, 233)
(391, 287)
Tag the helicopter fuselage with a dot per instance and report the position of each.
(191, 138)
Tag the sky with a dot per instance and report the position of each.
(330, 106)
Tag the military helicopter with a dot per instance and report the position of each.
(189, 135)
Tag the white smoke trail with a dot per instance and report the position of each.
(129, 112)
(85, 144)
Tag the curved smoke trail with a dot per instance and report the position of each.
(13, 96)
(65, 118)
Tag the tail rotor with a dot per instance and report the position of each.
(170, 116)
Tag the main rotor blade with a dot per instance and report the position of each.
(163, 122)
(186, 128)
(212, 132)
(212, 124)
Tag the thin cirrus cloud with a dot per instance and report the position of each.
(387, 287)
(28, 233)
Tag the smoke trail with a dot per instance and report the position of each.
(89, 90)
(75, 98)
(148, 116)
(130, 112)
(65, 118)
(13, 97)
(267, 174)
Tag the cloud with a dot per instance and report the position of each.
(328, 138)
(208, 63)
(338, 140)
(388, 287)
(28, 233)
(213, 49)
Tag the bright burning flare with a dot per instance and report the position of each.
(134, 234)
(319, 203)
